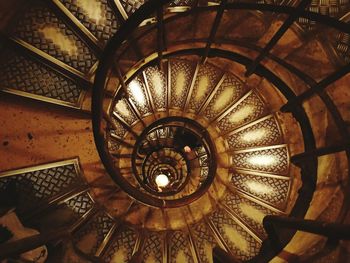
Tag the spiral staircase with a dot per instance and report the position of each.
(256, 89)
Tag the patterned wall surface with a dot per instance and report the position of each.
(100, 225)
(248, 109)
(181, 77)
(22, 74)
(103, 25)
(153, 248)
(37, 186)
(229, 91)
(122, 247)
(263, 132)
(180, 248)
(272, 159)
(204, 241)
(36, 27)
(271, 190)
(158, 87)
(248, 211)
(207, 78)
(241, 244)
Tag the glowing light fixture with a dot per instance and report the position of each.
(162, 180)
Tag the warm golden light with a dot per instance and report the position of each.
(252, 136)
(259, 188)
(262, 160)
(241, 114)
(137, 92)
(162, 180)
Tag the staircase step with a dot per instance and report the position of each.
(23, 76)
(40, 27)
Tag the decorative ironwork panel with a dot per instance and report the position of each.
(122, 109)
(272, 159)
(181, 77)
(181, 3)
(342, 46)
(80, 204)
(207, 78)
(268, 189)
(203, 160)
(335, 8)
(180, 248)
(153, 248)
(162, 132)
(250, 212)
(130, 6)
(112, 144)
(22, 74)
(204, 241)
(120, 131)
(247, 110)
(98, 227)
(96, 16)
(157, 86)
(229, 91)
(36, 186)
(138, 95)
(263, 132)
(43, 29)
(122, 247)
(241, 244)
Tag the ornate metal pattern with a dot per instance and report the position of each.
(80, 204)
(102, 29)
(250, 212)
(112, 144)
(157, 86)
(207, 78)
(138, 96)
(181, 3)
(239, 241)
(153, 248)
(180, 248)
(204, 241)
(130, 6)
(247, 110)
(268, 189)
(272, 159)
(329, 8)
(122, 247)
(31, 26)
(230, 90)
(99, 224)
(342, 46)
(37, 186)
(122, 109)
(263, 132)
(181, 77)
(22, 74)
(120, 131)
